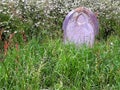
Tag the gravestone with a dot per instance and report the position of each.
(80, 27)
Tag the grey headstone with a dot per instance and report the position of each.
(80, 27)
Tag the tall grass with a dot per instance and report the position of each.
(54, 65)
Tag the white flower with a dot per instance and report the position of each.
(111, 43)
(15, 32)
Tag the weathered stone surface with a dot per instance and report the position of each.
(80, 27)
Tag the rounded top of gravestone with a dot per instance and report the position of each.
(80, 16)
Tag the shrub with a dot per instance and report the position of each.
(43, 19)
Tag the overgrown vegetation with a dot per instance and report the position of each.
(42, 61)
(56, 66)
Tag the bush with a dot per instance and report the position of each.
(33, 20)
(44, 19)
